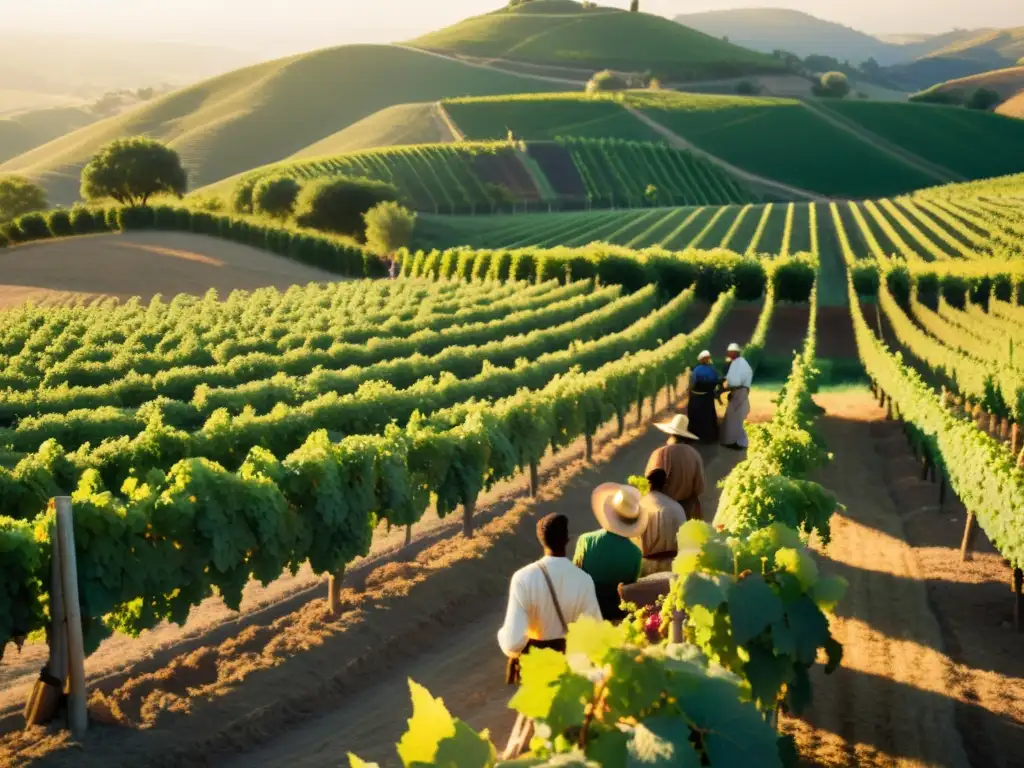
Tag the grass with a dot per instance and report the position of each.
(781, 140)
(546, 116)
(401, 125)
(261, 114)
(29, 129)
(564, 33)
(971, 143)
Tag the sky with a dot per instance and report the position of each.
(276, 27)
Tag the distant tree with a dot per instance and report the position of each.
(133, 170)
(818, 63)
(275, 196)
(725, 38)
(870, 67)
(19, 196)
(654, 84)
(984, 99)
(747, 88)
(241, 197)
(606, 81)
(337, 204)
(389, 226)
(834, 85)
(791, 60)
(145, 93)
(651, 194)
(634, 6)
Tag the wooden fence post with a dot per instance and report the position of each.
(534, 479)
(467, 518)
(58, 661)
(78, 715)
(588, 449)
(334, 592)
(968, 540)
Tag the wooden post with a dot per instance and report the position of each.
(408, 535)
(588, 450)
(1004, 430)
(968, 540)
(58, 661)
(1018, 599)
(534, 479)
(622, 423)
(467, 518)
(639, 411)
(78, 715)
(675, 630)
(942, 491)
(1015, 439)
(925, 466)
(993, 424)
(888, 407)
(334, 592)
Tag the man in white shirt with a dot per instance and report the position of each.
(738, 380)
(546, 597)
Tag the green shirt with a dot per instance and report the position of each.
(610, 560)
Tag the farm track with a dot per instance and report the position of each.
(937, 172)
(678, 142)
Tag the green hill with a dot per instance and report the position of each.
(23, 131)
(270, 111)
(565, 33)
(400, 125)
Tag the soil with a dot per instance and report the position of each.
(141, 264)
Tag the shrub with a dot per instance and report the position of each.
(110, 219)
(59, 223)
(984, 99)
(11, 232)
(83, 221)
(338, 204)
(136, 217)
(834, 85)
(275, 196)
(948, 98)
(4, 242)
(865, 279)
(241, 198)
(794, 279)
(132, 170)
(897, 280)
(954, 288)
(33, 226)
(606, 81)
(926, 287)
(616, 269)
(747, 88)
(19, 196)
(389, 227)
(523, 266)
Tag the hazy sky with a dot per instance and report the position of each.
(276, 26)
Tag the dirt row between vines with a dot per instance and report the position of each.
(234, 693)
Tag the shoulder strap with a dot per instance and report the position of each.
(554, 597)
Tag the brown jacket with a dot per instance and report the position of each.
(684, 469)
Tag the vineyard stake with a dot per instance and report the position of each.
(408, 535)
(58, 661)
(942, 491)
(78, 715)
(1018, 599)
(468, 509)
(968, 540)
(926, 465)
(1015, 439)
(534, 479)
(588, 450)
(640, 411)
(621, 418)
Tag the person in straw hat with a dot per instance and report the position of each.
(738, 380)
(665, 516)
(704, 382)
(683, 466)
(609, 555)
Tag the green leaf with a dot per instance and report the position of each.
(704, 590)
(798, 695)
(355, 762)
(550, 691)
(735, 734)
(834, 651)
(429, 725)
(799, 563)
(767, 674)
(662, 741)
(783, 639)
(752, 607)
(466, 749)
(608, 749)
(635, 684)
(810, 628)
(828, 592)
(592, 638)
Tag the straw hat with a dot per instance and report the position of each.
(704, 353)
(679, 425)
(618, 509)
(734, 347)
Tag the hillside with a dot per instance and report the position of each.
(963, 55)
(561, 32)
(1006, 82)
(270, 111)
(23, 131)
(395, 126)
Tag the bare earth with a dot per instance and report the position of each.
(141, 264)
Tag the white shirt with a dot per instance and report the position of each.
(531, 614)
(740, 374)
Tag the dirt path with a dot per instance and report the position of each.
(937, 172)
(464, 666)
(931, 674)
(141, 264)
(677, 141)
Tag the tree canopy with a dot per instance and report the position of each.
(275, 196)
(19, 196)
(132, 170)
(389, 227)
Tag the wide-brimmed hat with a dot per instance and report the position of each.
(677, 425)
(704, 353)
(734, 347)
(618, 509)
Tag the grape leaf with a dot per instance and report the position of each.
(810, 628)
(798, 694)
(429, 725)
(705, 590)
(752, 607)
(734, 733)
(355, 762)
(466, 749)
(550, 691)
(593, 638)
(834, 651)
(661, 741)
(783, 639)
(828, 592)
(767, 674)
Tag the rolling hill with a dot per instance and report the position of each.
(1006, 82)
(566, 33)
(260, 114)
(23, 131)
(395, 126)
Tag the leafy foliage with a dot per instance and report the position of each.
(389, 227)
(274, 196)
(132, 170)
(339, 204)
(19, 196)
